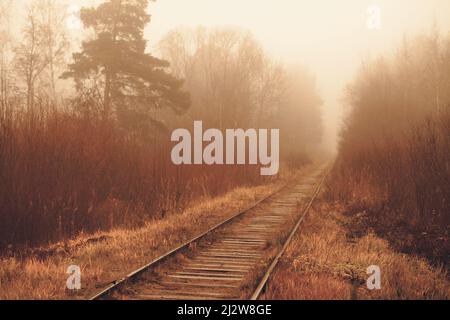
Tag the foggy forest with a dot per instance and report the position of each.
(92, 91)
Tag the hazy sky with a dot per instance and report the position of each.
(330, 37)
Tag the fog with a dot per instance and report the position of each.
(330, 38)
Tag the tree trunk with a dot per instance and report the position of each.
(109, 75)
(30, 96)
(107, 95)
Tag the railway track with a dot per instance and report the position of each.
(233, 260)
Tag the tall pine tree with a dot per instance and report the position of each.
(133, 83)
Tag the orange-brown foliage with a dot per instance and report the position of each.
(395, 148)
(62, 174)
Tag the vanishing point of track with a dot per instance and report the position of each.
(219, 263)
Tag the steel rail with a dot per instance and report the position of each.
(259, 289)
(115, 285)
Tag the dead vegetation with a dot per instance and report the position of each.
(62, 175)
(393, 164)
(119, 251)
(326, 261)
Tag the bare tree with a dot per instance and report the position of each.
(52, 16)
(271, 88)
(221, 68)
(5, 43)
(31, 57)
(42, 48)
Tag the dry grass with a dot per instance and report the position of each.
(109, 256)
(323, 262)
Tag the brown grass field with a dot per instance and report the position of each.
(325, 261)
(105, 257)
